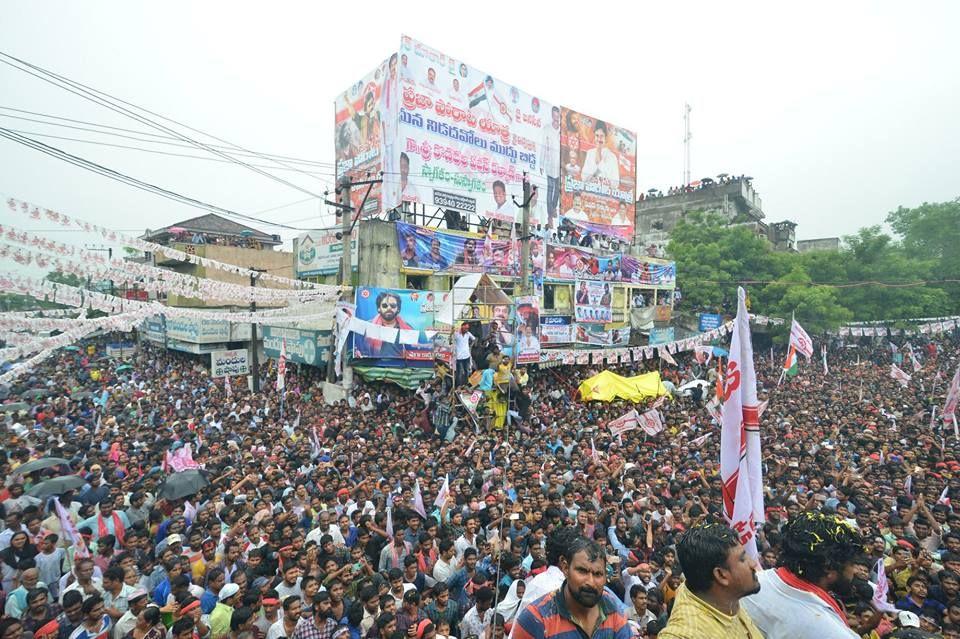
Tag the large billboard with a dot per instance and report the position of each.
(395, 322)
(365, 134)
(303, 346)
(593, 302)
(320, 253)
(428, 250)
(466, 138)
(598, 173)
(528, 329)
(573, 262)
(556, 329)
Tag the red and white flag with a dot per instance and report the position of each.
(70, 531)
(650, 422)
(444, 492)
(917, 367)
(703, 353)
(666, 356)
(227, 386)
(740, 458)
(899, 375)
(880, 592)
(418, 499)
(281, 367)
(800, 340)
(945, 496)
(658, 402)
(624, 424)
(949, 412)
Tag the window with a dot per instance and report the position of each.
(417, 282)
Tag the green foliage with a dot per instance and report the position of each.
(873, 276)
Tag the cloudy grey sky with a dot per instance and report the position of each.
(841, 111)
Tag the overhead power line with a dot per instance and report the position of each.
(94, 127)
(132, 181)
(106, 100)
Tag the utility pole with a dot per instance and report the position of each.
(109, 251)
(254, 357)
(525, 235)
(346, 257)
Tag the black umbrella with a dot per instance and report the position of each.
(56, 486)
(40, 464)
(14, 407)
(183, 484)
(36, 392)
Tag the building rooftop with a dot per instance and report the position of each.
(211, 229)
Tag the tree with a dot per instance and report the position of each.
(932, 232)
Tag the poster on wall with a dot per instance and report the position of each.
(556, 329)
(593, 302)
(528, 329)
(661, 335)
(231, 362)
(574, 262)
(466, 138)
(598, 173)
(598, 336)
(319, 253)
(395, 323)
(365, 133)
(648, 271)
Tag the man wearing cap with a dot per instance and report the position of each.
(136, 601)
(228, 599)
(95, 490)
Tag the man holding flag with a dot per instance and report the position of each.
(800, 342)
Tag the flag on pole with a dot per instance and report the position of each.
(899, 375)
(823, 356)
(625, 423)
(949, 412)
(593, 451)
(666, 356)
(880, 592)
(893, 348)
(703, 353)
(740, 456)
(650, 422)
(70, 531)
(389, 526)
(790, 365)
(444, 493)
(282, 367)
(945, 496)
(800, 340)
(227, 386)
(418, 500)
(908, 486)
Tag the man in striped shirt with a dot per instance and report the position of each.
(580, 608)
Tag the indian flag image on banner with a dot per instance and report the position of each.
(477, 95)
(790, 366)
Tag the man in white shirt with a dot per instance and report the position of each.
(462, 341)
(446, 562)
(478, 618)
(601, 163)
(137, 601)
(468, 539)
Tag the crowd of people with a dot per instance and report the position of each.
(365, 519)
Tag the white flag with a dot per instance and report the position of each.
(949, 411)
(740, 465)
(650, 422)
(418, 500)
(228, 387)
(800, 340)
(899, 375)
(666, 356)
(823, 356)
(703, 353)
(70, 531)
(625, 423)
(444, 492)
(880, 593)
(281, 367)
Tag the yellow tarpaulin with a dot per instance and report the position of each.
(608, 386)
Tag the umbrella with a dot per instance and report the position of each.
(720, 352)
(176, 230)
(246, 233)
(707, 180)
(71, 348)
(124, 367)
(14, 407)
(56, 486)
(652, 190)
(39, 464)
(183, 484)
(35, 392)
(81, 395)
(722, 175)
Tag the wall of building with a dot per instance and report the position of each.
(819, 244)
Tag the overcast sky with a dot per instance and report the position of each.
(841, 111)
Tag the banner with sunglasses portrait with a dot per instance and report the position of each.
(398, 323)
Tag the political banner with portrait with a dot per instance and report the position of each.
(598, 173)
(593, 302)
(556, 329)
(528, 329)
(565, 262)
(396, 323)
(598, 336)
(427, 250)
(648, 271)
(365, 130)
(465, 139)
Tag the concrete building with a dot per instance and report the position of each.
(734, 200)
(819, 244)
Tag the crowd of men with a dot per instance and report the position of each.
(360, 520)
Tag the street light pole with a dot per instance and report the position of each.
(254, 357)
